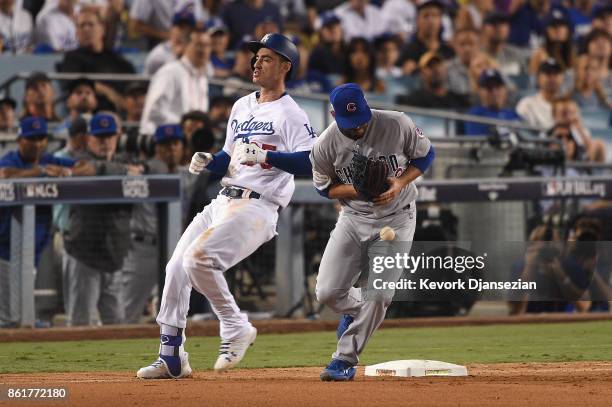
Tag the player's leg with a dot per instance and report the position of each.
(173, 361)
(111, 304)
(140, 276)
(83, 291)
(339, 270)
(237, 230)
(373, 311)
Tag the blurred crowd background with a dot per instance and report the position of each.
(542, 63)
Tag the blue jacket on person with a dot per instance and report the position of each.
(44, 214)
(480, 129)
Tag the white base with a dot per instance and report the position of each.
(415, 368)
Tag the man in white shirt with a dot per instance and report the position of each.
(153, 18)
(57, 28)
(15, 28)
(400, 16)
(179, 86)
(360, 19)
(536, 109)
(183, 24)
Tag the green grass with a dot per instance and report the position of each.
(482, 344)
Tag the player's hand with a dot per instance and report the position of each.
(395, 187)
(199, 161)
(250, 153)
(52, 170)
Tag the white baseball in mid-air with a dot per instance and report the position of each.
(387, 233)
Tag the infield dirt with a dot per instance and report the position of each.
(506, 384)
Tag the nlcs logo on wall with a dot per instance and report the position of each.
(135, 188)
(33, 191)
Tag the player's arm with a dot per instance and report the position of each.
(216, 163)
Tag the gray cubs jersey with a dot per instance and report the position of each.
(390, 135)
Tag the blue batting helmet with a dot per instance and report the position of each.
(280, 44)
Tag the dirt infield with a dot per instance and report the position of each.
(541, 384)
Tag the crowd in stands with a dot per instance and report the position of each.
(546, 63)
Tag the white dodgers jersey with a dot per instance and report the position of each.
(280, 125)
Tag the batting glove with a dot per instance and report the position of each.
(199, 161)
(249, 154)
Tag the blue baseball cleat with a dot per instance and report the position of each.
(338, 371)
(343, 325)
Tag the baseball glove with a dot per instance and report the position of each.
(369, 176)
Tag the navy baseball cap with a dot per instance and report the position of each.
(167, 132)
(215, 25)
(350, 106)
(557, 17)
(32, 126)
(550, 65)
(103, 124)
(490, 78)
(327, 19)
(496, 17)
(184, 17)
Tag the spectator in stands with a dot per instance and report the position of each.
(241, 72)
(242, 16)
(495, 31)
(141, 268)
(400, 17)
(183, 23)
(190, 123)
(563, 133)
(38, 99)
(581, 16)
(493, 95)
(428, 36)
(566, 112)
(602, 19)
(55, 28)
(179, 86)
(219, 113)
(479, 63)
(77, 138)
(92, 57)
(30, 161)
(134, 98)
(360, 19)
(387, 48)
(588, 91)
(219, 35)
(473, 13)
(536, 109)
(265, 26)
(598, 46)
(558, 45)
(466, 45)
(327, 57)
(153, 19)
(81, 101)
(97, 238)
(434, 92)
(360, 66)
(528, 20)
(7, 114)
(15, 28)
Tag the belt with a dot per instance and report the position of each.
(239, 193)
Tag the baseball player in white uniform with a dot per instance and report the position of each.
(268, 141)
(379, 134)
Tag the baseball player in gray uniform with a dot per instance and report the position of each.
(379, 134)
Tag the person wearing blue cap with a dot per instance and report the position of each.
(493, 95)
(379, 134)
(183, 24)
(140, 271)
(327, 58)
(97, 237)
(31, 161)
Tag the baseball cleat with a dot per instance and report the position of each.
(232, 352)
(162, 368)
(345, 321)
(338, 371)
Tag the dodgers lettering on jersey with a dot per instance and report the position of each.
(280, 125)
(391, 136)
